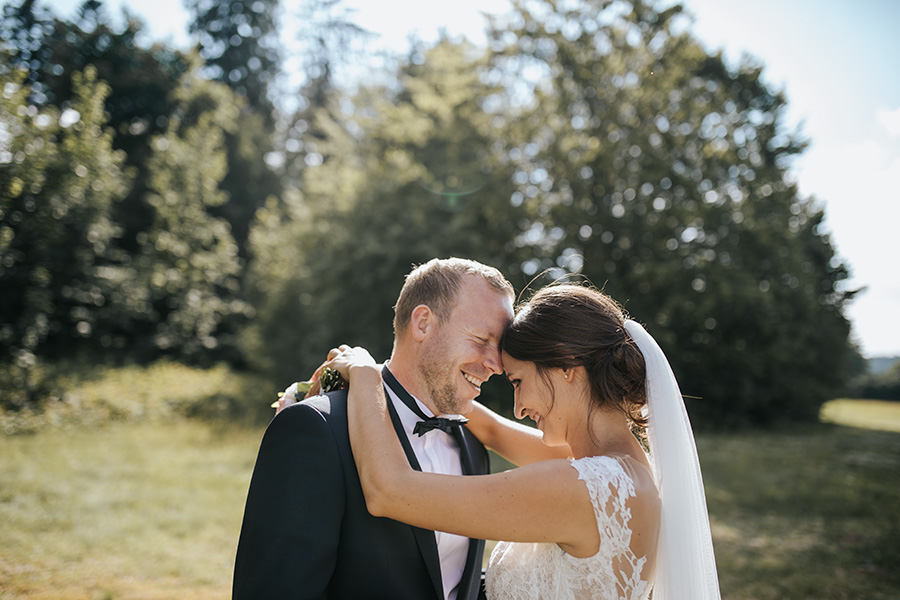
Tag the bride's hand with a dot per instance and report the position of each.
(293, 393)
(345, 359)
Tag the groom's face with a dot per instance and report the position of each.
(463, 351)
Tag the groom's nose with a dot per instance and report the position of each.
(492, 361)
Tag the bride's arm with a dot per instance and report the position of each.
(519, 505)
(517, 443)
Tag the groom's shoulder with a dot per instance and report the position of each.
(328, 407)
(312, 425)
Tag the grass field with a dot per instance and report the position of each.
(152, 511)
(880, 415)
(147, 511)
(813, 513)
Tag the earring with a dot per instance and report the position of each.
(566, 374)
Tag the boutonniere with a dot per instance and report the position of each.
(323, 380)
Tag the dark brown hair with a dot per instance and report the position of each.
(436, 285)
(566, 326)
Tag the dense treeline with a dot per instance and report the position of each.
(878, 386)
(159, 203)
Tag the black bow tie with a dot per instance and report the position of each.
(427, 423)
(442, 423)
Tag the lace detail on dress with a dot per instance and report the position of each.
(542, 571)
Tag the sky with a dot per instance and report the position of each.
(836, 61)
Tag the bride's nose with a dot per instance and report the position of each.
(519, 408)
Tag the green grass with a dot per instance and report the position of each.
(76, 396)
(881, 415)
(146, 510)
(811, 513)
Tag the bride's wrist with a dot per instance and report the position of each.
(364, 373)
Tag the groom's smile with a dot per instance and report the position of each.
(475, 382)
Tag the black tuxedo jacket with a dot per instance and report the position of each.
(306, 532)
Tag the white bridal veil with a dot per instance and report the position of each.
(686, 565)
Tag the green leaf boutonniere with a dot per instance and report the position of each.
(324, 380)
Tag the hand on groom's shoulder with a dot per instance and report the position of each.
(318, 406)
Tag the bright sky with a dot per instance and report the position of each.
(835, 60)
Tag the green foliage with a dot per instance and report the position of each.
(651, 169)
(416, 178)
(81, 396)
(140, 83)
(189, 263)
(65, 282)
(878, 386)
(238, 42)
(22, 31)
(59, 179)
(248, 180)
(328, 39)
(591, 138)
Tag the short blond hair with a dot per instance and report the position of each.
(436, 284)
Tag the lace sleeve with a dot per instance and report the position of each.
(543, 571)
(610, 488)
(615, 567)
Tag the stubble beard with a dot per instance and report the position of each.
(438, 374)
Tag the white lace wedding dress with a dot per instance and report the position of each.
(543, 571)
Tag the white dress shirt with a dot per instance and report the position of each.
(437, 452)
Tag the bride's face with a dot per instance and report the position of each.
(537, 397)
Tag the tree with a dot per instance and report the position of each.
(879, 385)
(657, 173)
(238, 42)
(409, 174)
(146, 290)
(59, 180)
(140, 82)
(22, 31)
(328, 39)
(189, 262)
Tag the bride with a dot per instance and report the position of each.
(588, 515)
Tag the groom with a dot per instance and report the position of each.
(306, 532)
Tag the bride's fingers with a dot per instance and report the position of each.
(318, 372)
(314, 389)
(342, 360)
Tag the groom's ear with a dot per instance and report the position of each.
(420, 321)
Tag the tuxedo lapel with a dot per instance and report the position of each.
(469, 584)
(465, 454)
(401, 433)
(424, 537)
